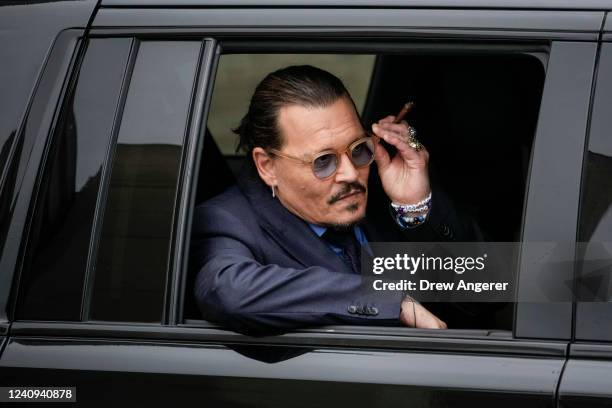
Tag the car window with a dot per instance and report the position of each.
(464, 105)
(131, 264)
(593, 286)
(55, 263)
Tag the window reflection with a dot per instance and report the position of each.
(594, 273)
(59, 240)
(132, 260)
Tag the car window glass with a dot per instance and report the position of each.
(594, 286)
(134, 243)
(59, 240)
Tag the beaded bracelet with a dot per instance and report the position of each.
(419, 207)
(404, 212)
(410, 222)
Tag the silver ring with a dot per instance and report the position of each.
(413, 142)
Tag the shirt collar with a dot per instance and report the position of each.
(361, 238)
(319, 230)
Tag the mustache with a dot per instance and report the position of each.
(348, 188)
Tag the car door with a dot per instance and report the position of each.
(97, 248)
(539, 323)
(24, 50)
(586, 379)
(121, 335)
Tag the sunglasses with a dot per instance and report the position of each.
(324, 164)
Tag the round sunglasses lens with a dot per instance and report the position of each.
(363, 153)
(325, 165)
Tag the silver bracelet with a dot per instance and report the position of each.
(422, 206)
(411, 215)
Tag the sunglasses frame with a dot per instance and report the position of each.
(337, 153)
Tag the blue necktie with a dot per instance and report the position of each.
(351, 248)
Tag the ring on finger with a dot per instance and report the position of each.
(412, 132)
(413, 142)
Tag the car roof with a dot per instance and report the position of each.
(479, 4)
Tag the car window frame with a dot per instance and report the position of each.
(356, 334)
(103, 196)
(59, 80)
(52, 88)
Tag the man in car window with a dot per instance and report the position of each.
(282, 249)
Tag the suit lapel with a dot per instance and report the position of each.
(290, 232)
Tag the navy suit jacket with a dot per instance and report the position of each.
(260, 268)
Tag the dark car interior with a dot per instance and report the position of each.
(477, 116)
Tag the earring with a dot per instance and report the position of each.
(273, 192)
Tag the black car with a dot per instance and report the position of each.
(115, 122)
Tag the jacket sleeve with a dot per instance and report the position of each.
(235, 289)
(445, 222)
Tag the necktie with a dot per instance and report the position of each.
(351, 249)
